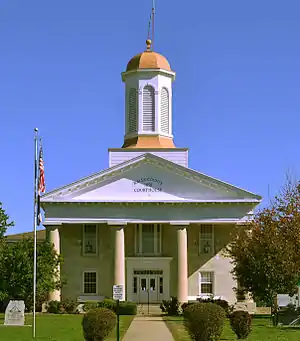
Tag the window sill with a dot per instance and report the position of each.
(89, 255)
(206, 253)
(89, 297)
(148, 255)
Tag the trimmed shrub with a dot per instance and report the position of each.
(204, 321)
(127, 308)
(108, 303)
(89, 305)
(170, 307)
(98, 323)
(240, 322)
(222, 303)
(185, 305)
(62, 307)
(55, 307)
(69, 306)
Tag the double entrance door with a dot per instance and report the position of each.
(148, 286)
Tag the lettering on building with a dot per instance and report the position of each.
(147, 185)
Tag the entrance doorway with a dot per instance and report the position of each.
(148, 286)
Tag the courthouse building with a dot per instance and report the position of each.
(147, 222)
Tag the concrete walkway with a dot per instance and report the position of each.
(148, 328)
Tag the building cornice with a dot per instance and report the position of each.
(171, 74)
(116, 222)
(154, 203)
(147, 150)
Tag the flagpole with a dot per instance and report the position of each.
(34, 227)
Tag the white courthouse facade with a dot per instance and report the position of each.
(148, 221)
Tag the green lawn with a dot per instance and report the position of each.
(54, 328)
(262, 330)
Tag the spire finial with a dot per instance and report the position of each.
(148, 44)
(151, 25)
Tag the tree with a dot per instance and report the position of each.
(5, 222)
(16, 267)
(266, 254)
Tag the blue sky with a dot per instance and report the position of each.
(236, 101)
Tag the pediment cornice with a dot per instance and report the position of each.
(146, 159)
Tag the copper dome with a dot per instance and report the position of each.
(148, 60)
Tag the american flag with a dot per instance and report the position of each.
(42, 185)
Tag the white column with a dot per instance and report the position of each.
(182, 264)
(54, 239)
(119, 258)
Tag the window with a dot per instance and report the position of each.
(148, 239)
(161, 286)
(132, 111)
(90, 282)
(134, 285)
(148, 108)
(206, 239)
(164, 104)
(206, 283)
(90, 240)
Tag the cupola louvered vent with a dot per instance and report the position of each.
(164, 114)
(132, 111)
(148, 108)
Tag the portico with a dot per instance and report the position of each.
(149, 265)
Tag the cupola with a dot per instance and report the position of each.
(148, 97)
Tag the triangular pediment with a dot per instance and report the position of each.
(149, 178)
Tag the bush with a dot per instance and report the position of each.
(185, 305)
(108, 303)
(98, 323)
(55, 307)
(69, 306)
(127, 308)
(62, 307)
(171, 307)
(3, 306)
(89, 305)
(240, 322)
(222, 303)
(204, 321)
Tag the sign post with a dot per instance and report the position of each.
(148, 300)
(118, 320)
(118, 291)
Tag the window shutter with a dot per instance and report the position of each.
(132, 112)
(164, 123)
(148, 109)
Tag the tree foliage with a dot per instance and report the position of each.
(266, 254)
(16, 267)
(5, 222)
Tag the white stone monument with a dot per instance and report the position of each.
(14, 313)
